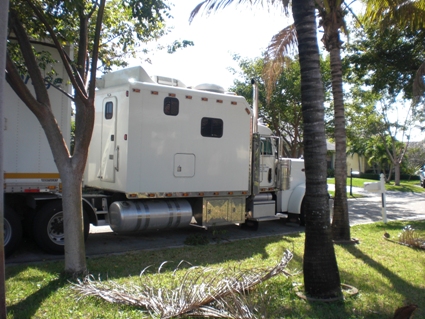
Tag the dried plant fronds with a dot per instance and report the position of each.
(410, 237)
(200, 291)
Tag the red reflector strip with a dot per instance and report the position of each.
(172, 94)
(204, 99)
(189, 97)
(136, 90)
(33, 190)
(234, 103)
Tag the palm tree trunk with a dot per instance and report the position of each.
(340, 221)
(321, 274)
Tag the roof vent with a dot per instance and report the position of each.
(168, 81)
(209, 87)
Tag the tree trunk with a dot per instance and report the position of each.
(75, 253)
(321, 275)
(397, 173)
(340, 221)
(71, 171)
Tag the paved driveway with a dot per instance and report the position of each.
(102, 241)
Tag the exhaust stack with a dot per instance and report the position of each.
(255, 106)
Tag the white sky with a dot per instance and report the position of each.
(237, 29)
(233, 30)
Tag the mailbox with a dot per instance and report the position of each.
(373, 187)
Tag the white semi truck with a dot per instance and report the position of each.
(162, 156)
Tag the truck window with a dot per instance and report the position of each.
(211, 127)
(109, 110)
(266, 146)
(171, 106)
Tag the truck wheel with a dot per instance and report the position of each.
(250, 224)
(48, 228)
(12, 231)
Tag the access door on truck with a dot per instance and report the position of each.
(109, 152)
(267, 163)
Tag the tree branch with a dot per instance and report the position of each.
(30, 60)
(76, 81)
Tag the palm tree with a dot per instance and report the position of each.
(318, 244)
(331, 19)
(321, 275)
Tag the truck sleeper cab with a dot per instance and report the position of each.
(163, 157)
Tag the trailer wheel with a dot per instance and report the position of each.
(48, 228)
(12, 231)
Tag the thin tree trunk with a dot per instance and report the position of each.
(340, 220)
(75, 252)
(397, 173)
(321, 274)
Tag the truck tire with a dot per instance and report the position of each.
(48, 228)
(12, 231)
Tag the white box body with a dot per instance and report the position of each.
(141, 151)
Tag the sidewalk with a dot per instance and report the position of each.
(368, 207)
(355, 190)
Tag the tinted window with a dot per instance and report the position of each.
(211, 127)
(109, 110)
(266, 146)
(171, 106)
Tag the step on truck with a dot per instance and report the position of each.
(162, 156)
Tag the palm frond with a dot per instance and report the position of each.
(400, 13)
(201, 291)
(210, 6)
(282, 45)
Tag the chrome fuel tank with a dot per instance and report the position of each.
(142, 215)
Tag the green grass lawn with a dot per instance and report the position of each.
(405, 186)
(387, 275)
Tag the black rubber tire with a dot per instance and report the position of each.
(250, 225)
(12, 231)
(48, 228)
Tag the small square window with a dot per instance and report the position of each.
(171, 106)
(211, 127)
(109, 110)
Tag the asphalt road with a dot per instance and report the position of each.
(102, 241)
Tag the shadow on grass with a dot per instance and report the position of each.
(26, 308)
(411, 293)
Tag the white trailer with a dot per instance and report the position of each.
(162, 156)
